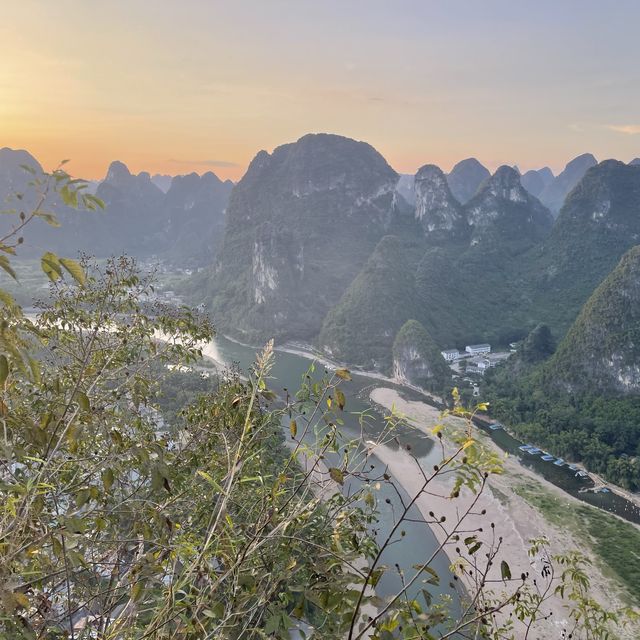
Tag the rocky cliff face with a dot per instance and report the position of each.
(465, 178)
(439, 213)
(503, 214)
(300, 225)
(601, 351)
(417, 359)
(406, 188)
(162, 181)
(554, 194)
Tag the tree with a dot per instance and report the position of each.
(112, 527)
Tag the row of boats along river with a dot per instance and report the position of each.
(419, 541)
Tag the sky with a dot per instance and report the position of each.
(197, 85)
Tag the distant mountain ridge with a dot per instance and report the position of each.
(182, 224)
(554, 194)
(456, 257)
(536, 180)
(465, 178)
(469, 272)
(323, 241)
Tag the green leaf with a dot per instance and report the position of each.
(137, 591)
(336, 475)
(51, 266)
(505, 571)
(4, 369)
(74, 269)
(6, 265)
(82, 497)
(83, 400)
(7, 299)
(49, 218)
(375, 577)
(434, 579)
(69, 196)
(209, 479)
(91, 202)
(272, 624)
(475, 548)
(34, 365)
(107, 478)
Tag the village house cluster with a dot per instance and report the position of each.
(474, 354)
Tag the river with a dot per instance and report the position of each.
(419, 542)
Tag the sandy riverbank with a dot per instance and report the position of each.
(515, 520)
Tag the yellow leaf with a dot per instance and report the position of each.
(21, 599)
(74, 269)
(343, 373)
(340, 399)
(437, 429)
(467, 444)
(293, 428)
(50, 264)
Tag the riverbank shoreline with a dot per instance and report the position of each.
(597, 479)
(515, 520)
(307, 351)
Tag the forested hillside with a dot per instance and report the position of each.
(583, 401)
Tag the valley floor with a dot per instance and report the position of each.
(515, 503)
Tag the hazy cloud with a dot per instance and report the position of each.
(628, 129)
(206, 163)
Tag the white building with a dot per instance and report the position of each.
(476, 349)
(450, 355)
(482, 364)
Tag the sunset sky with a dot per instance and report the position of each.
(175, 87)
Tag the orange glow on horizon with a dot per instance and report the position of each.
(200, 86)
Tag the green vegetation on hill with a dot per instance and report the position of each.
(601, 351)
(598, 223)
(584, 401)
(538, 345)
(417, 359)
(360, 329)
